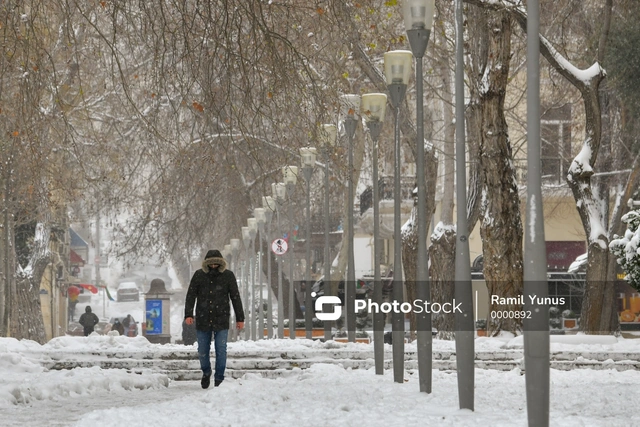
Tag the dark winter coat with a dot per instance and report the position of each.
(88, 320)
(210, 291)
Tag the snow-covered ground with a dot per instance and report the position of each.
(322, 395)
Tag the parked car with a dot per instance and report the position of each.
(133, 329)
(77, 330)
(128, 291)
(84, 297)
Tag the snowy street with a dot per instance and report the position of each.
(353, 202)
(323, 394)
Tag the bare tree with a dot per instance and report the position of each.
(443, 240)
(593, 318)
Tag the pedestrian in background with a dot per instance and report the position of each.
(129, 325)
(88, 320)
(117, 326)
(72, 309)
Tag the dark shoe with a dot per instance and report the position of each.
(206, 380)
(216, 383)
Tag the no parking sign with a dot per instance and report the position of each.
(279, 246)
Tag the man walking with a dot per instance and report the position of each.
(213, 286)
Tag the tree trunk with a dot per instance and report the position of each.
(588, 204)
(7, 253)
(409, 265)
(26, 318)
(501, 226)
(610, 320)
(595, 293)
(609, 316)
(473, 115)
(410, 235)
(579, 176)
(477, 45)
(448, 148)
(442, 254)
(5, 274)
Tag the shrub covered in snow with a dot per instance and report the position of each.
(626, 250)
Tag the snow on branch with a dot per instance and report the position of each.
(40, 249)
(440, 229)
(576, 76)
(596, 230)
(581, 163)
(566, 68)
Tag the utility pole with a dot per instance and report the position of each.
(536, 328)
(465, 333)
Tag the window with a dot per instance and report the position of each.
(555, 132)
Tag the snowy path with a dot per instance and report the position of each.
(327, 395)
(321, 394)
(65, 411)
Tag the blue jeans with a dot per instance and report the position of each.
(204, 348)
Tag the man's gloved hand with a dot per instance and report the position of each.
(240, 325)
(189, 320)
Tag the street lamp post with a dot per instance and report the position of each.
(373, 108)
(536, 328)
(226, 254)
(397, 70)
(252, 223)
(269, 206)
(418, 16)
(235, 250)
(465, 331)
(350, 104)
(290, 177)
(328, 138)
(246, 239)
(261, 217)
(308, 157)
(279, 191)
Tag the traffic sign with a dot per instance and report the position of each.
(279, 246)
